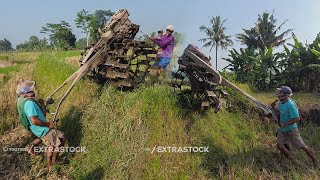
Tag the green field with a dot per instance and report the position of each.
(120, 129)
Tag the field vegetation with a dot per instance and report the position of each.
(119, 129)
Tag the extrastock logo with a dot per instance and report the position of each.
(178, 149)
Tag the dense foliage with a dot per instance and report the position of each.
(265, 69)
(5, 45)
(33, 44)
(264, 34)
(60, 35)
(91, 24)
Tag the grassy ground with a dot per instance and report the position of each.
(269, 97)
(120, 129)
(17, 65)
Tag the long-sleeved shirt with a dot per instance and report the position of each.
(166, 43)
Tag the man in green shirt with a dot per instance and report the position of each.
(288, 131)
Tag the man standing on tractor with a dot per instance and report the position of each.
(160, 34)
(159, 37)
(288, 131)
(166, 43)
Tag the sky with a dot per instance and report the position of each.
(20, 19)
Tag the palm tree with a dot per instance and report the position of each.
(215, 35)
(264, 34)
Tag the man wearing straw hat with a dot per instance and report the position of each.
(166, 43)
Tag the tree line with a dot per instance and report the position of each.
(61, 36)
(259, 64)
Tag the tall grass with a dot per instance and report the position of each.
(119, 129)
(119, 126)
(268, 97)
(51, 70)
(23, 68)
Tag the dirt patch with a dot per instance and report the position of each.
(2, 76)
(4, 64)
(310, 113)
(14, 164)
(74, 60)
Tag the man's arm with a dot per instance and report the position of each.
(292, 121)
(164, 42)
(42, 107)
(31, 112)
(34, 120)
(277, 113)
(275, 109)
(294, 116)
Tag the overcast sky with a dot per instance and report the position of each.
(20, 19)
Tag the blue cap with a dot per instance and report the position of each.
(25, 90)
(286, 90)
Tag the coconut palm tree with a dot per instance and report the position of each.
(215, 36)
(264, 34)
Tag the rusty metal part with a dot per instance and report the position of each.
(206, 83)
(126, 63)
(194, 70)
(116, 58)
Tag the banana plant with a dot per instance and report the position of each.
(267, 69)
(241, 63)
(315, 52)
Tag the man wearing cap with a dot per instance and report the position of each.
(159, 37)
(288, 131)
(40, 127)
(160, 34)
(166, 43)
